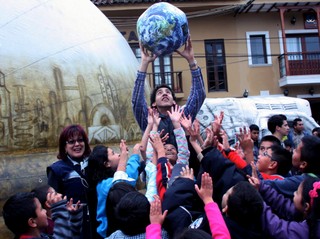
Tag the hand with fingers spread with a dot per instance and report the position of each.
(186, 122)
(246, 143)
(208, 142)
(156, 215)
(54, 197)
(217, 123)
(187, 173)
(164, 136)
(157, 145)
(206, 190)
(175, 116)
(146, 58)
(73, 207)
(254, 179)
(187, 52)
(225, 141)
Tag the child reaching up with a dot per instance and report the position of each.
(280, 213)
(25, 217)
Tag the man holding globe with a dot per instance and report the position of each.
(163, 97)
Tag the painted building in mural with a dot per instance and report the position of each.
(63, 70)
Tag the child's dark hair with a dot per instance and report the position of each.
(154, 92)
(283, 158)
(270, 138)
(116, 192)
(254, 127)
(96, 170)
(310, 152)
(190, 233)
(132, 213)
(245, 204)
(41, 193)
(311, 185)
(17, 210)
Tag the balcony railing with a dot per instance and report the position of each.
(300, 64)
(172, 79)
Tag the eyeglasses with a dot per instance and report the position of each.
(73, 141)
(265, 153)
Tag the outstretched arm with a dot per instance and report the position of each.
(218, 227)
(197, 91)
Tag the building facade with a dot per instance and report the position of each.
(244, 48)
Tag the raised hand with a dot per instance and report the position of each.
(123, 146)
(156, 216)
(186, 122)
(225, 141)
(254, 179)
(73, 207)
(136, 148)
(157, 144)
(187, 173)
(146, 58)
(175, 115)
(206, 190)
(54, 198)
(246, 143)
(208, 142)
(187, 52)
(217, 123)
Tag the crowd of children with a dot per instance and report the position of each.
(195, 187)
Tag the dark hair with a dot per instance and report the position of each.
(69, 132)
(283, 158)
(154, 92)
(17, 210)
(310, 152)
(132, 213)
(245, 204)
(271, 138)
(41, 193)
(295, 121)
(316, 129)
(192, 233)
(288, 143)
(116, 192)
(314, 214)
(254, 127)
(96, 170)
(274, 121)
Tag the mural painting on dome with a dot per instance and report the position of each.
(63, 70)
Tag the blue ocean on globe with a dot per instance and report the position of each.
(162, 28)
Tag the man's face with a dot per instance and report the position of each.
(299, 127)
(164, 98)
(284, 129)
(254, 135)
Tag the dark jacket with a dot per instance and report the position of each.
(222, 171)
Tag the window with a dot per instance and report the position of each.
(162, 67)
(136, 50)
(258, 44)
(216, 65)
(303, 46)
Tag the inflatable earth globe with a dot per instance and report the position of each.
(162, 28)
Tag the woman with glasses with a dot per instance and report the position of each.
(67, 175)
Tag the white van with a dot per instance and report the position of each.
(239, 112)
